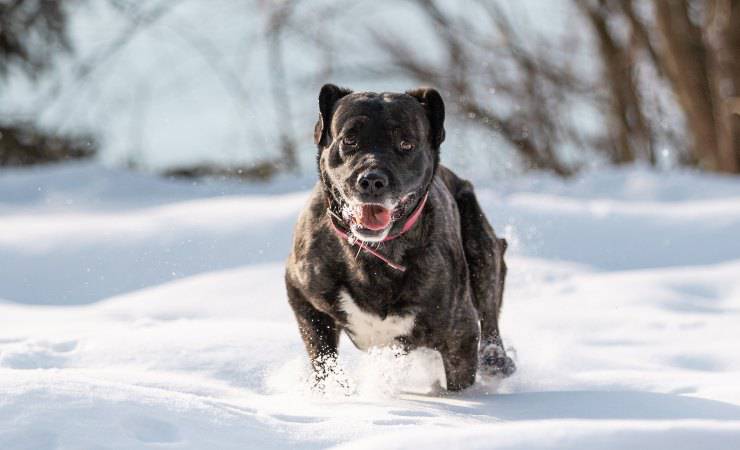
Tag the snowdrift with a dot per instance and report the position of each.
(143, 313)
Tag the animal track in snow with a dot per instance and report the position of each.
(395, 422)
(298, 419)
(36, 354)
(152, 431)
(697, 362)
(694, 298)
(403, 413)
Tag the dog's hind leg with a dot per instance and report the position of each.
(484, 253)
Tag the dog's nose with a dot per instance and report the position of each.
(372, 182)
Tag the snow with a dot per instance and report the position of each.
(144, 313)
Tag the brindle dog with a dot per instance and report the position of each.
(393, 247)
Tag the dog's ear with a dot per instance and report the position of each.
(435, 108)
(327, 99)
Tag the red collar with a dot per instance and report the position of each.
(352, 240)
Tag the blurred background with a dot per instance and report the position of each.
(141, 311)
(228, 88)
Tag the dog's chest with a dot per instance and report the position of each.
(368, 330)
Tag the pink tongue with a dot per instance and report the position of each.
(374, 217)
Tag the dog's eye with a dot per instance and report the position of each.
(349, 141)
(406, 146)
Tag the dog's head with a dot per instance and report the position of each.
(377, 154)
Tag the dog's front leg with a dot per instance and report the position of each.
(320, 334)
(460, 358)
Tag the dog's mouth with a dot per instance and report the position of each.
(369, 222)
(372, 217)
(373, 221)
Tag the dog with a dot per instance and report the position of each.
(392, 247)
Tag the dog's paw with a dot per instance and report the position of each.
(331, 380)
(331, 387)
(494, 362)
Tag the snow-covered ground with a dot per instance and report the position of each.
(142, 313)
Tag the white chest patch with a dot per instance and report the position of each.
(368, 330)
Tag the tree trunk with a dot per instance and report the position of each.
(630, 133)
(723, 34)
(687, 63)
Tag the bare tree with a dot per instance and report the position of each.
(279, 16)
(629, 130)
(497, 60)
(688, 48)
(32, 33)
(695, 47)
